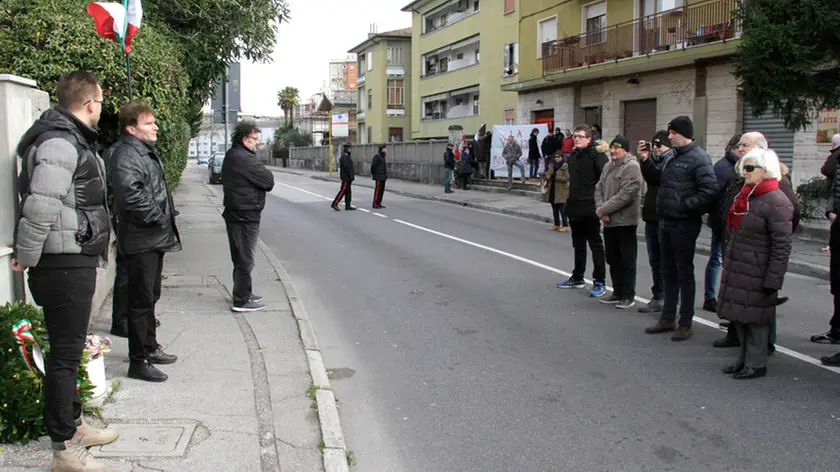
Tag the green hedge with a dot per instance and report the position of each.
(43, 39)
(21, 390)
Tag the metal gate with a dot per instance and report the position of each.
(773, 128)
(639, 121)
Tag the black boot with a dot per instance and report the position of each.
(730, 340)
(160, 357)
(144, 370)
(119, 330)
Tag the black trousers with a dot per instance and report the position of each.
(242, 238)
(588, 230)
(622, 252)
(144, 280)
(345, 192)
(379, 192)
(834, 273)
(677, 240)
(66, 295)
(119, 308)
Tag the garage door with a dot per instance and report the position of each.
(639, 121)
(773, 128)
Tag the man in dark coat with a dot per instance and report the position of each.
(651, 163)
(688, 187)
(585, 166)
(245, 181)
(534, 154)
(146, 231)
(348, 174)
(716, 222)
(379, 173)
(448, 168)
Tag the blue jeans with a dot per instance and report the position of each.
(654, 257)
(447, 179)
(713, 268)
(534, 167)
(559, 212)
(518, 164)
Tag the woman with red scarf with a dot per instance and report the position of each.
(755, 260)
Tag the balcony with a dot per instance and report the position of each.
(691, 26)
(360, 115)
(360, 80)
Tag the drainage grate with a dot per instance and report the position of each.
(145, 440)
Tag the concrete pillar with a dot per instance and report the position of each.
(20, 104)
(700, 105)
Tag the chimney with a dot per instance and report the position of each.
(372, 32)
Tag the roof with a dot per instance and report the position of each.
(404, 33)
(410, 6)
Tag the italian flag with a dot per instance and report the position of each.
(117, 21)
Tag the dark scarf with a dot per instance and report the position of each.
(740, 206)
(557, 164)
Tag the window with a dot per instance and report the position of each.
(370, 134)
(476, 5)
(459, 56)
(362, 99)
(443, 65)
(370, 99)
(396, 93)
(459, 101)
(594, 22)
(395, 55)
(511, 59)
(449, 13)
(510, 6)
(476, 108)
(369, 60)
(477, 56)
(546, 33)
(395, 135)
(509, 117)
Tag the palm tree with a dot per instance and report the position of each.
(288, 99)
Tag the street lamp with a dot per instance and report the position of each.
(327, 106)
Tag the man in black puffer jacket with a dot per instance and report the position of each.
(245, 181)
(688, 187)
(146, 230)
(651, 163)
(379, 173)
(585, 166)
(348, 175)
(62, 233)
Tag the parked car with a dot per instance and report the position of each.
(215, 168)
(203, 160)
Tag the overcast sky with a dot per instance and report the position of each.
(318, 31)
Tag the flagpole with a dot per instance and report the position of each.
(128, 72)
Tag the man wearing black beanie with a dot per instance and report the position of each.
(687, 187)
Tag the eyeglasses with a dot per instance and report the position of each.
(101, 102)
(751, 168)
(580, 136)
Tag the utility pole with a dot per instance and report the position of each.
(225, 109)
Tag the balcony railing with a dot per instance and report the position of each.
(693, 25)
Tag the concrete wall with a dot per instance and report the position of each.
(808, 156)
(417, 161)
(20, 104)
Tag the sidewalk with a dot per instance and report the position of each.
(806, 258)
(240, 396)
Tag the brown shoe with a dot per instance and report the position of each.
(563, 229)
(75, 458)
(88, 436)
(683, 333)
(710, 305)
(661, 326)
(554, 228)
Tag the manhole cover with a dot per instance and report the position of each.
(161, 440)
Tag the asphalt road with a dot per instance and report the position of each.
(453, 351)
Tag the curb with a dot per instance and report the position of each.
(797, 267)
(335, 449)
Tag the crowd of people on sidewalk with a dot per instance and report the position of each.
(71, 200)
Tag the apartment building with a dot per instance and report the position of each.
(384, 86)
(464, 50)
(632, 65)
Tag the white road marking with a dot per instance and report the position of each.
(364, 210)
(379, 215)
(712, 324)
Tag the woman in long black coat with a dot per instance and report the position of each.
(534, 153)
(755, 260)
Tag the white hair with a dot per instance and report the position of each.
(759, 139)
(767, 159)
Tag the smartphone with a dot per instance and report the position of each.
(644, 145)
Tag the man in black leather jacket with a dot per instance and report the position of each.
(146, 231)
(348, 175)
(245, 181)
(687, 187)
